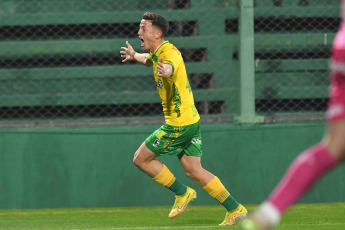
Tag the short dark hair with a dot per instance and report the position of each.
(159, 21)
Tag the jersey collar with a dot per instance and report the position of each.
(154, 55)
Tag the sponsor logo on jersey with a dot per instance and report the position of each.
(157, 142)
(196, 141)
(159, 83)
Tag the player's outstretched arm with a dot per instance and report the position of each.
(164, 70)
(129, 54)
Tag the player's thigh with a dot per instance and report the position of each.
(194, 145)
(335, 139)
(190, 163)
(143, 154)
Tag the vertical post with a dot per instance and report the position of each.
(246, 59)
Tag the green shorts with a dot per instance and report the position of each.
(176, 140)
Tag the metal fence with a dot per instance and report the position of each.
(59, 59)
(292, 48)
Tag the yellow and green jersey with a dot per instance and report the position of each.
(175, 91)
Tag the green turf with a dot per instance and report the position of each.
(304, 217)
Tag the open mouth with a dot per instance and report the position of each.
(141, 42)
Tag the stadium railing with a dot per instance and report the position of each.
(292, 52)
(212, 50)
(71, 85)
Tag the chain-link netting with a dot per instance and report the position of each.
(293, 39)
(59, 59)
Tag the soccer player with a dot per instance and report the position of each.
(180, 135)
(309, 166)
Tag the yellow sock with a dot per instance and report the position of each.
(167, 179)
(217, 190)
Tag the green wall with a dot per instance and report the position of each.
(92, 167)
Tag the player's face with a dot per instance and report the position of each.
(147, 34)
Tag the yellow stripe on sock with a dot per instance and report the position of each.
(217, 190)
(165, 177)
(170, 183)
(221, 197)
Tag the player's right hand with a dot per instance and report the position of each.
(127, 53)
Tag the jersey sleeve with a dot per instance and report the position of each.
(172, 58)
(149, 60)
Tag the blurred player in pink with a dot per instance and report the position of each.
(309, 166)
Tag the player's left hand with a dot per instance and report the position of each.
(164, 70)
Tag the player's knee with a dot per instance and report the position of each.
(341, 151)
(337, 150)
(136, 159)
(192, 174)
(188, 174)
(341, 155)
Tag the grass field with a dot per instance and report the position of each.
(302, 216)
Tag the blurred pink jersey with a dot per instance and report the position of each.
(336, 106)
(339, 41)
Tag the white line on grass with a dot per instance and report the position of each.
(207, 226)
(162, 227)
(210, 226)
